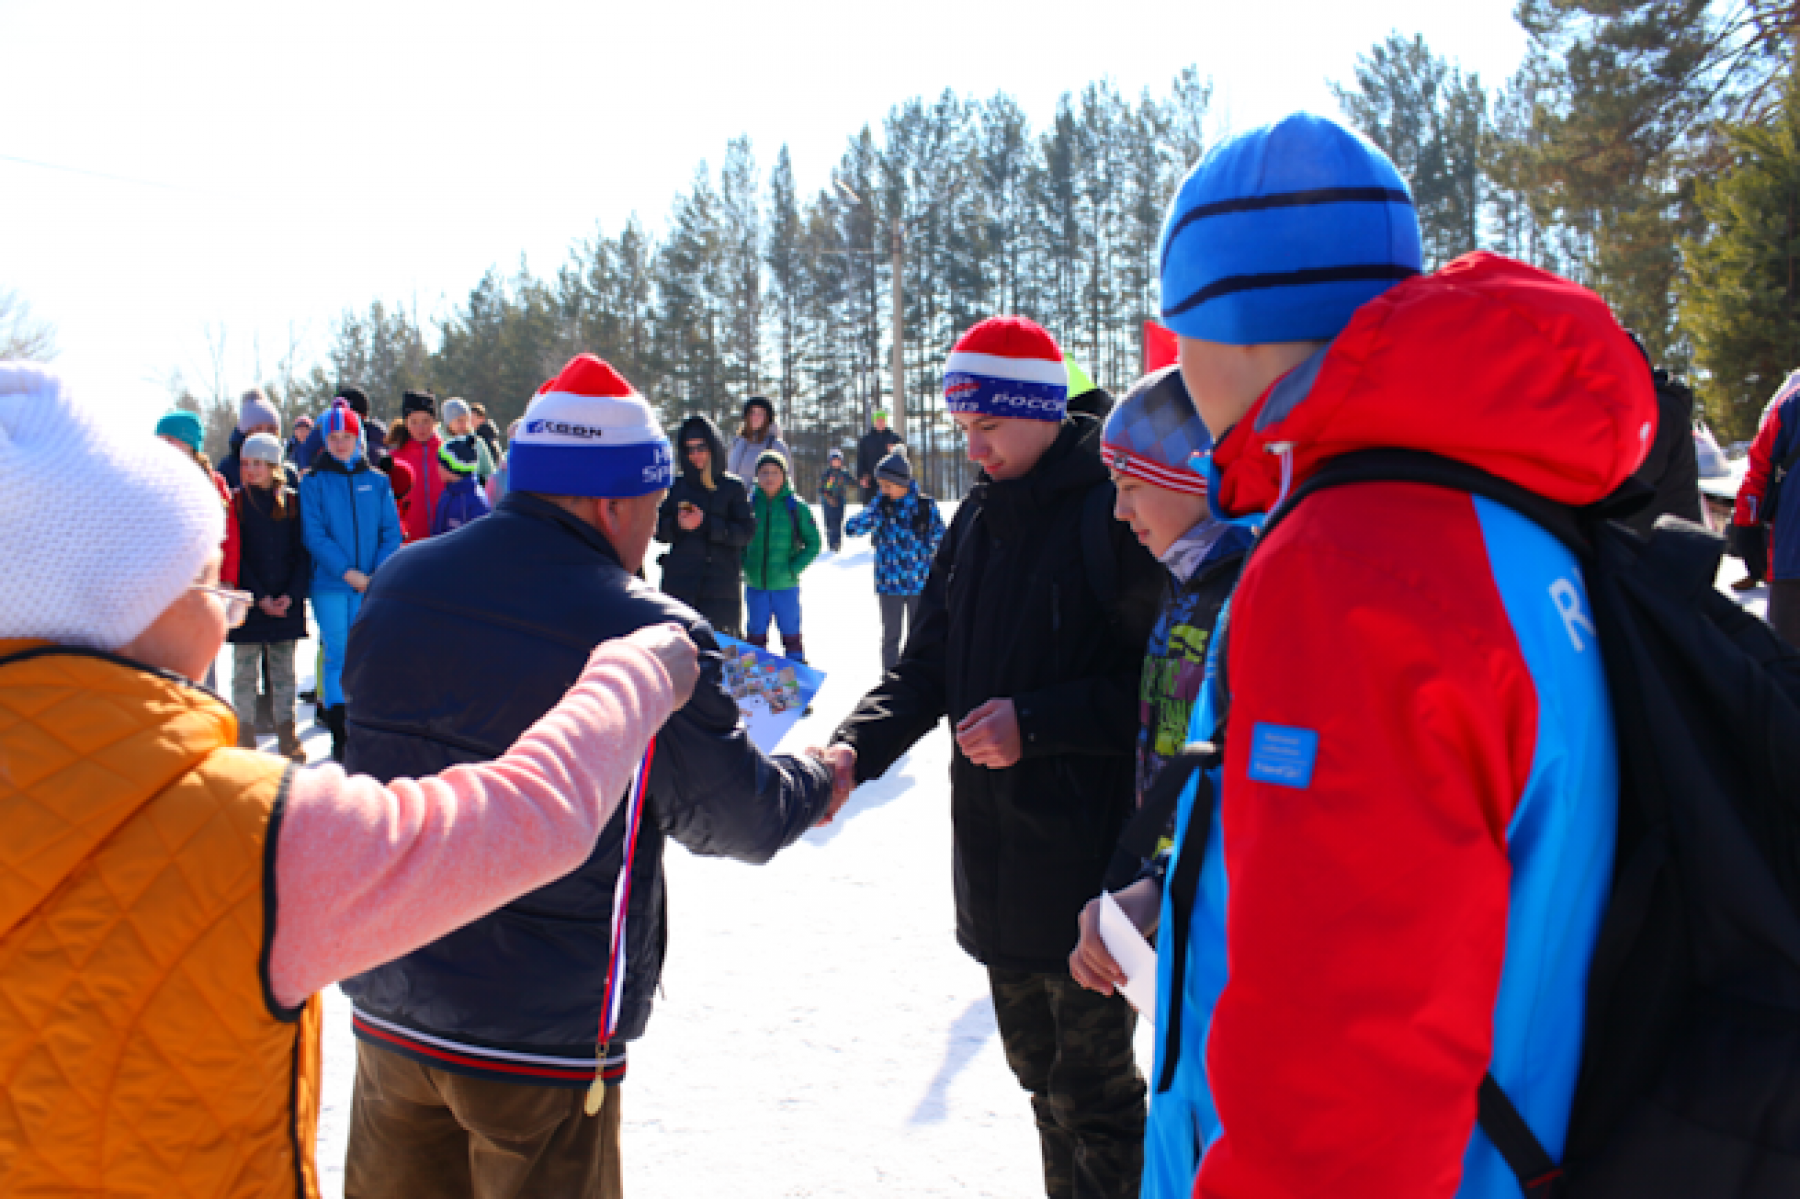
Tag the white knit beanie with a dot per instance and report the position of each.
(100, 529)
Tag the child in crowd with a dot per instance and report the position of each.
(459, 423)
(707, 521)
(907, 527)
(501, 482)
(785, 543)
(418, 448)
(834, 493)
(351, 528)
(274, 567)
(400, 478)
(183, 430)
(463, 500)
(756, 436)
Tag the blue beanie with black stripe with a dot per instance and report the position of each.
(1282, 233)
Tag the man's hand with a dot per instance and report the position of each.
(670, 645)
(356, 579)
(989, 736)
(842, 760)
(689, 517)
(1090, 964)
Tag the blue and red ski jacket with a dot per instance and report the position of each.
(1774, 442)
(1412, 843)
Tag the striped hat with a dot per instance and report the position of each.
(588, 433)
(1007, 366)
(1281, 233)
(340, 418)
(1153, 433)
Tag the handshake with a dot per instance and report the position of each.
(842, 760)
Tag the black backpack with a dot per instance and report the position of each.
(1690, 1073)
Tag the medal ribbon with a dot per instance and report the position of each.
(615, 962)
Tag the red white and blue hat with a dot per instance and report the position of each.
(1007, 366)
(588, 433)
(1154, 433)
(341, 418)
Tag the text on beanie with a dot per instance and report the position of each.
(1007, 366)
(587, 433)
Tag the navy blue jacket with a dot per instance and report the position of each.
(272, 562)
(463, 642)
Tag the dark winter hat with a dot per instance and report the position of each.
(354, 396)
(1007, 366)
(1281, 233)
(418, 401)
(760, 402)
(895, 468)
(183, 426)
(1154, 431)
(588, 433)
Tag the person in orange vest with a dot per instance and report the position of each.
(170, 904)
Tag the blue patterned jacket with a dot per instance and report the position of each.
(906, 533)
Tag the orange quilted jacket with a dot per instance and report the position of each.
(141, 1052)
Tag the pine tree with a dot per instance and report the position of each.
(1741, 301)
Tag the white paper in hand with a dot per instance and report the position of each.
(1132, 952)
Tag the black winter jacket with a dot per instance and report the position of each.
(462, 643)
(1010, 610)
(706, 563)
(873, 447)
(1671, 467)
(272, 562)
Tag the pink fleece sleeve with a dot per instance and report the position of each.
(366, 873)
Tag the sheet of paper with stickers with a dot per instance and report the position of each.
(772, 692)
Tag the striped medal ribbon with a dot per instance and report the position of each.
(615, 962)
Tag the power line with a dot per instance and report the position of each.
(51, 166)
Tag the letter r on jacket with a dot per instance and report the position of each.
(1567, 598)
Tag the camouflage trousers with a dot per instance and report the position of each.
(1071, 1048)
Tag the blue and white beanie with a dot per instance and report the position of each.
(588, 433)
(1282, 233)
(1007, 366)
(1154, 432)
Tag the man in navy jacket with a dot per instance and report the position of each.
(476, 1051)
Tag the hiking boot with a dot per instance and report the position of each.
(796, 650)
(333, 720)
(287, 742)
(246, 736)
(759, 640)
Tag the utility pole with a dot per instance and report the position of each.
(899, 420)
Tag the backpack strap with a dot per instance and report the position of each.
(793, 511)
(1184, 882)
(1540, 1176)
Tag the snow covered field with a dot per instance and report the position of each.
(820, 1032)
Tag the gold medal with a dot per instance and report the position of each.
(596, 1095)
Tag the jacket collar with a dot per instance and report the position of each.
(530, 507)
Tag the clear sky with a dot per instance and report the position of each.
(260, 168)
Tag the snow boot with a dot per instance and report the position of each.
(246, 736)
(287, 742)
(334, 723)
(759, 640)
(796, 650)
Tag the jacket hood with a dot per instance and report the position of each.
(702, 427)
(332, 464)
(1491, 362)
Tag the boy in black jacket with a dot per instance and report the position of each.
(1030, 639)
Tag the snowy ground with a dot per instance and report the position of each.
(820, 1032)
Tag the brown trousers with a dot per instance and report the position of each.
(418, 1131)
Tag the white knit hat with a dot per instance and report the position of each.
(100, 529)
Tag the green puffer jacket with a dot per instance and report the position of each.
(774, 559)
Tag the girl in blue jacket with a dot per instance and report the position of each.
(351, 527)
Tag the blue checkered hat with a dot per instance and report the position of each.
(1154, 431)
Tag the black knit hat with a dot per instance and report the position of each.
(418, 401)
(760, 402)
(356, 397)
(895, 468)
